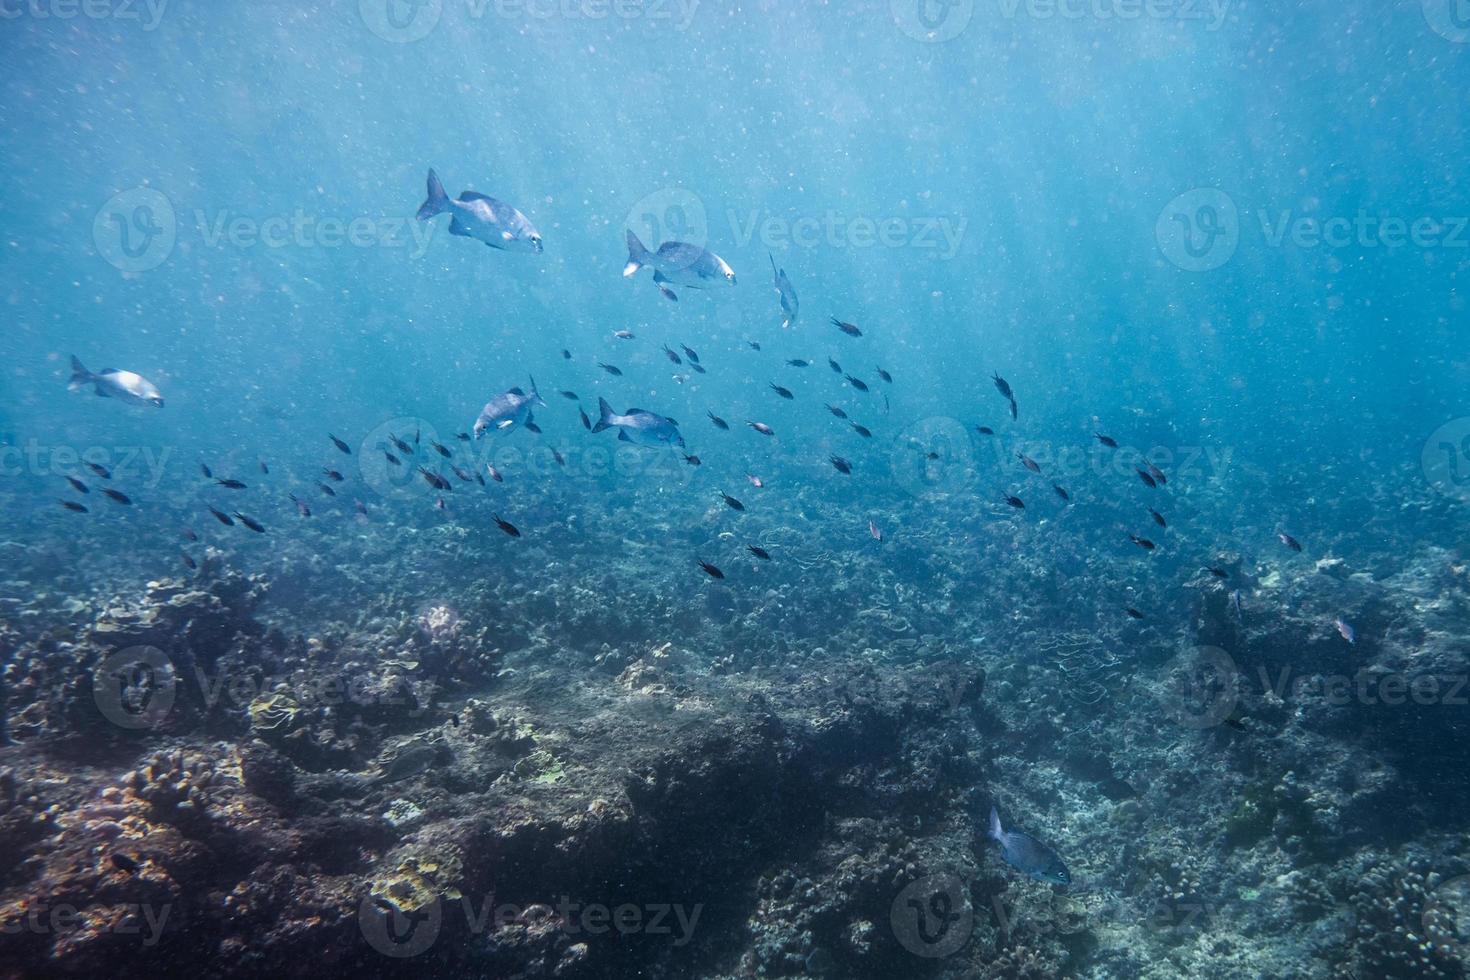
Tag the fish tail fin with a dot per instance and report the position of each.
(637, 256)
(534, 393)
(438, 201)
(995, 829)
(80, 376)
(607, 413)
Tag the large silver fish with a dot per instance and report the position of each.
(639, 426)
(493, 222)
(1027, 854)
(789, 304)
(112, 383)
(508, 410)
(679, 263)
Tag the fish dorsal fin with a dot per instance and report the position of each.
(475, 196)
(637, 411)
(517, 392)
(457, 227)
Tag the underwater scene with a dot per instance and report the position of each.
(602, 489)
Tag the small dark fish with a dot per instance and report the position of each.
(692, 460)
(623, 334)
(885, 375)
(223, 518)
(415, 437)
(570, 396)
(117, 495)
(1286, 539)
(1155, 472)
(1146, 478)
(466, 478)
(759, 552)
(689, 353)
(560, 459)
(333, 475)
(1028, 855)
(1134, 613)
(439, 504)
(731, 502)
(861, 430)
(931, 455)
(462, 436)
(837, 411)
(985, 430)
(100, 470)
(1346, 631)
(753, 345)
(1237, 604)
(440, 449)
(208, 473)
(326, 490)
(392, 459)
(586, 422)
(264, 468)
(1061, 492)
(1158, 518)
(836, 368)
(783, 392)
(711, 570)
(755, 481)
(531, 426)
(848, 328)
(434, 479)
(189, 562)
(857, 383)
(507, 526)
(615, 372)
(1108, 441)
(1013, 409)
(875, 532)
(1219, 572)
(124, 863)
(231, 484)
(1003, 387)
(360, 507)
(719, 422)
(479, 479)
(403, 447)
(77, 485)
(1028, 462)
(697, 368)
(1236, 724)
(339, 444)
(672, 355)
(73, 506)
(762, 428)
(1143, 543)
(494, 473)
(250, 522)
(189, 534)
(1014, 501)
(301, 507)
(842, 465)
(566, 354)
(797, 362)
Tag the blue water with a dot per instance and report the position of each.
(1121, 215)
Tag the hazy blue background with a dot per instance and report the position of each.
(1054, 143)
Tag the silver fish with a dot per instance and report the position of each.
(508, 410)
(112, 383)
(1027, 854)
(789, 303)
(639, 426)
(679, 263)
(493, 222)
